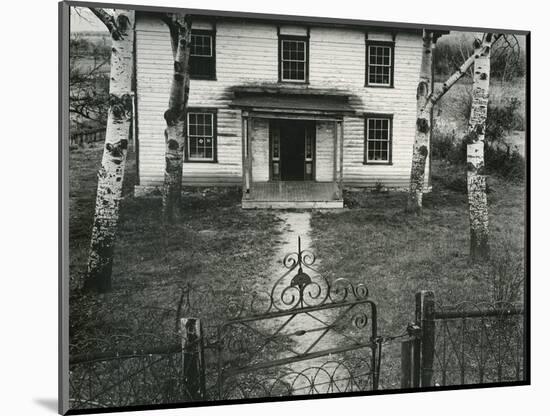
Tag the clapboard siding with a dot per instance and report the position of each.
(324, 151)
(394, 175)
(247, 53)
(260, 149)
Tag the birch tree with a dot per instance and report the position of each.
(425, 103)
(423, 124)
(176, 123)
(477, 180)
(109, 188)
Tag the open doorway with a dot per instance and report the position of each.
(292, 150)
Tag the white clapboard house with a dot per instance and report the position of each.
(292, 110)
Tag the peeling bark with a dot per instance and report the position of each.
(477, 181)
(111, 173)
(425, 101)
(175, 116)
(423, 126)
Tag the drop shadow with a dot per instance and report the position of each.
(48, 404)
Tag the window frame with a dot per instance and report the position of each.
(304, 39)
(383, 116)
(202, 110)
(388, 44)
(212, 34)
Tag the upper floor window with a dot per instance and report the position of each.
(378, 138)
(201, 136)
(293, 58)
(380, 61)
(202, 59)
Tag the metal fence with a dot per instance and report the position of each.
(125, 378)
(446, 345)
(307, 335)
(466, 343)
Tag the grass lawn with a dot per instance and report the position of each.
(219, 244)
(216, 243)
(396, 254)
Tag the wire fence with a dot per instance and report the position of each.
(446, 345)
(478, 343)
(127, 380)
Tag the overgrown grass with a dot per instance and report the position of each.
(219, 244)
(452, 112)
(397, 254)
(215, 243)
(504, 131)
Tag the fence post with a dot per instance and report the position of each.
(425, 318)
(406, 368)
(193, 358)
(416, 345)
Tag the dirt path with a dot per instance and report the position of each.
(302, 374)
(296, 224)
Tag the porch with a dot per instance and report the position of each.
(292, 144)
(293, 194)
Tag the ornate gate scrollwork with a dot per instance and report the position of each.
(307, 335)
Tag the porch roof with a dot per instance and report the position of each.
(331, 104)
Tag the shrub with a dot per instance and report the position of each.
(499, 158)
(443, 145)
(501, 119)
(505, 272)
(457, 183)
(509, 165)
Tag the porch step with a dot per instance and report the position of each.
(293, 194)
(253, 204)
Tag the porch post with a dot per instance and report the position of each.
(244, 129)
(249, 150)
(335, 153)
(341, 156)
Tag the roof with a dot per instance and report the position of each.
(368, 25)
(288, 99)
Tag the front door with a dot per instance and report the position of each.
(292, 150)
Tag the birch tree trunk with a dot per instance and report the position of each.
(477, 181)
(423, 126)
(111, 173)
(176, 123)
(424, 105)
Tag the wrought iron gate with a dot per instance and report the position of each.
(307, 335)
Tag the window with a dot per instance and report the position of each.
(378, 138)
(201, 136)
(380, 61)
(293, 57)
(202, 59)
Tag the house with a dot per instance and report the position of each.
(292, 110)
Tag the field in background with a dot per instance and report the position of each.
(89, 58)
(452, 112)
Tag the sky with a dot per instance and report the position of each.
(83, 20)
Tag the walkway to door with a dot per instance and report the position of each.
(293, 194)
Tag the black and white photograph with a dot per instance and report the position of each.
(277, 207)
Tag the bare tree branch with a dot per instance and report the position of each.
(79, 11)
(507, 55)
(109, 21)
(485, 43)
(89, 95)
